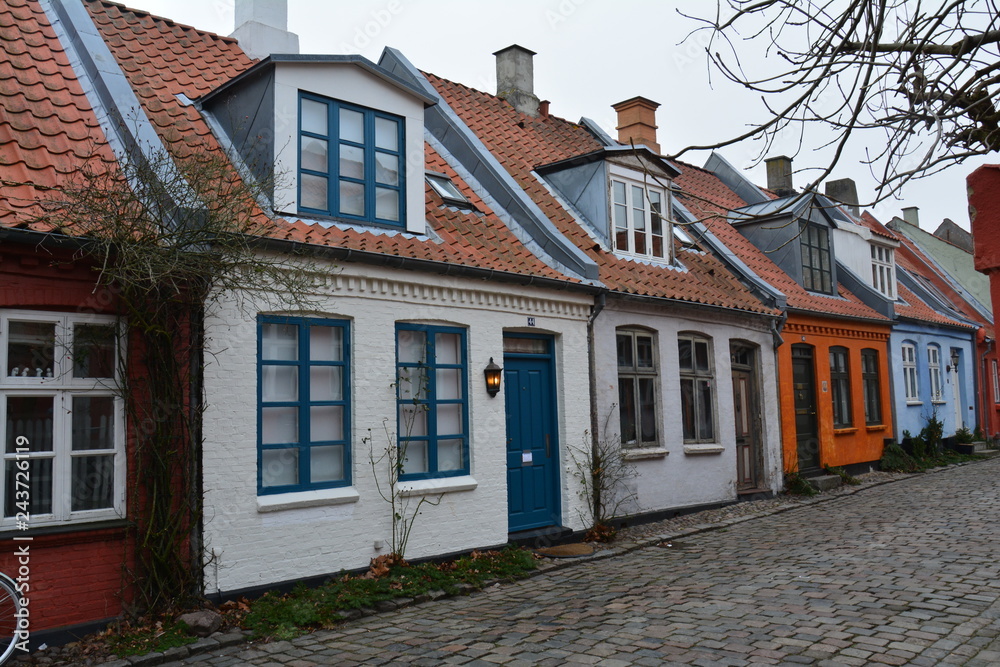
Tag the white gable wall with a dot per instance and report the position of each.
(348, 83)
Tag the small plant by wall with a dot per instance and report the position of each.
(796, 485)
(603, 471)
(170, 234)
(842, 474)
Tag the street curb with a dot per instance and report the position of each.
(233, 639)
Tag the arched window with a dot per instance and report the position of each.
(909, 352)
(637, 381)
(840, 387)
(934, 371)
(872, 386)
(697, 374)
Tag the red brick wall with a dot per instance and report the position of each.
(73, 577)
(76, 575)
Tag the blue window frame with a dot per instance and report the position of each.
(350, 161)
(432, 408)
(303, 376)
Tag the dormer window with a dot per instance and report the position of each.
(351, 161)
(817, 273)
(637, 216)
(883, 276)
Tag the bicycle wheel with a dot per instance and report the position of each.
(10, 606)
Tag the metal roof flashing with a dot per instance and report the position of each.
(275, 59)
(609, 153)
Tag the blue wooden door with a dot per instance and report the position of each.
(532, 446)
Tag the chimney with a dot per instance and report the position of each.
(779, 175)
(515, 78)
(844, 191)
(911, 215)
(637, 122)
(262, 28)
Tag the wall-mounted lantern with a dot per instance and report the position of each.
(492, 373)
(954, 361)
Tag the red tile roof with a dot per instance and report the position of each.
(163, 60)
(709, 199)
(910, 257)
(48, 130)
(521, 143)
(915, 308)
(868, 220)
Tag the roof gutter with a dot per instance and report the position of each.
(42, 239)
(417, 264)
(691, 304)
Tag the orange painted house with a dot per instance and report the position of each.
(810, 437)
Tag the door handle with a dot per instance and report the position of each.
(548, 452)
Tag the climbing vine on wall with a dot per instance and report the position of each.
(172, 235)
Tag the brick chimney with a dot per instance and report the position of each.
(262, 28)
(779, 175)
(516, 78)
(637, 122)
(911, 215)
(844, 191)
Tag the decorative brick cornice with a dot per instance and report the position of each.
(457, 297)
(834, 332)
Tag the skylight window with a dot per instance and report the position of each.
(686, 239)
(442, 185)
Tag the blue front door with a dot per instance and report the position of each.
(532, 445)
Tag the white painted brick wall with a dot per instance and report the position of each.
(253, 548)
(679, 479)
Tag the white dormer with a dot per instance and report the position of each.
(343, 136)
(623, 196)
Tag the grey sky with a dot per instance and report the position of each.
(591, 54)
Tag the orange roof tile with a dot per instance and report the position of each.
(521, 142)
(163, 59)
(48, 129)
(709, 199)
(912, 258)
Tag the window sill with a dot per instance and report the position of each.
(700, 450)
(640, 453)
(428, 487)
(875, 427)
(938, 402)
(61, 531)
(317, 498)
(914, 402)
(846, 430)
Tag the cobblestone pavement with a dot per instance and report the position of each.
(902, 573)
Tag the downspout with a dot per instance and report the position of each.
(985, 393)
(197, 407)
(777, 325)
(600, 300)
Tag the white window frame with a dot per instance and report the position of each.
(934, 371)
(699, 378)
(883, 270)
(996, 382)
(623, 215)
(910, 379)
(634, 375)
(63, 387)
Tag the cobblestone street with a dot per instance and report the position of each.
(902, 573)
